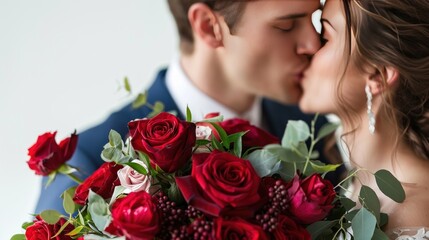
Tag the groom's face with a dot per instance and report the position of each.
(269, 47)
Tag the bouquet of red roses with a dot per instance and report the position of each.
(214, 179)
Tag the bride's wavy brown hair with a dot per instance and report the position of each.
(395, 33)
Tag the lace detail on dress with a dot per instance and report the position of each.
(411, 233)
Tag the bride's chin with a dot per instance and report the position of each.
(306, 107)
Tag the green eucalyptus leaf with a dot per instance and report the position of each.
(318, 228)
(363, 225)
(75, 231)
(157, 108)
(347, 203)
(61, 229)
(127, 85)
(288, 170)
(26, 225)
(99, 210)
(51, 178)
(284, 154)
(188, 114)
(327, 129)
(68, 203)
(125, 160)
(66, 169)
(18, 237)
(264, 162)
(140, 100)
(296, 132)
(350, 215)
(379, 235)
(384, 218)
(389, 185)
(115, 139)
(116, 192)
(174, 193)
(302, 149)
(144, 157)
(139, 168)
(112, 155)
(368, 198)
(81, 218)
(320, 167)
(50, 216)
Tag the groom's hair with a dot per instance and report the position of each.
(231, 10)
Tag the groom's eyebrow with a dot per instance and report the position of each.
(292, 16)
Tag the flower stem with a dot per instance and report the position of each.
(313, 143)
(74, 178)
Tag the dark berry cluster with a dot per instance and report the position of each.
(201, 229)
(172, 216)
(277, 203)
(193, 213)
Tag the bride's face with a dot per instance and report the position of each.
(328, 67)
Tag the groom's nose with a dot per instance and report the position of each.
(308, 41)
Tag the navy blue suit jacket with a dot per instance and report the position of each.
(90, 144)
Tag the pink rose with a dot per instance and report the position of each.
(165, 138)
(222, 184)
(310, 200)
(134, 181)
(47, 156)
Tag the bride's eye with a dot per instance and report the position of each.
(323, 39)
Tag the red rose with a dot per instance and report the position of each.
(287, 229)
(41, 230)
(222, 184)
(238, 229)
(310, 200)
(47, 156)
(103, 181)
(165, 138)
(135, 217)
(255, 137)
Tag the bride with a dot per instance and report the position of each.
(373, 72)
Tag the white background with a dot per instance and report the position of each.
(61, 62)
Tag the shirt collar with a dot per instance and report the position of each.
(185, 93)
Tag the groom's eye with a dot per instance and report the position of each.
(285, 27)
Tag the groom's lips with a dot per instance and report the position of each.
(299, 76)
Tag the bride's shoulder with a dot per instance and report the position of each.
(410, 218)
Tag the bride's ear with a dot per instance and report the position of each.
(205, 24)
(382, 79)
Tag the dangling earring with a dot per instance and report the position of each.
(371, 116)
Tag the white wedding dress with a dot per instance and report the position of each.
(409, 233)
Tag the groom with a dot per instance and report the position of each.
(234, 55)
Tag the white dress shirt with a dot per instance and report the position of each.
(185, 93)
